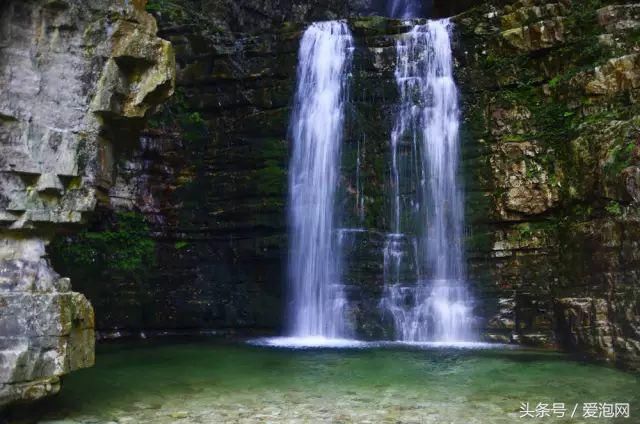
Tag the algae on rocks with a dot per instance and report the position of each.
(550, 95)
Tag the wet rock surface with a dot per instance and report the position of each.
(549, 94)
(550, 161)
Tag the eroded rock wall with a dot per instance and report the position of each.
(552, 154)
(550, 168)
(209, 178)
(77, 78)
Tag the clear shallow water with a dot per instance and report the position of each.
(213, 382)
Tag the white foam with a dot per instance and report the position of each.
(308, 342)
(324, 342)
(454, 345)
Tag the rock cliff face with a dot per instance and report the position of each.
(77, 80)
(551, 155)
(210, 180)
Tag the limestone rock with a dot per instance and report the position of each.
(587, 324)
(618, 74)
(555, 171)
(525, 185)
(46, 330)
(537, 36)
(631, 176)
(510, 122)
(140, 71)
(520, 16)
(593, 325)
(620, 17)
(77, 77)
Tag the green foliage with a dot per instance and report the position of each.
(156, 5)
(167, 7)
(179, 245)
(550, 120)
(633, 36)
(124, 249)
(271, 179)
(554, 81)
(193, 126)
(505, 66)
(580, 212)
(479, 241)
(614, 208)
(182, 13)
(179, 116)
(525, 231)
(619, 159)
(583, 21)
(531, 235)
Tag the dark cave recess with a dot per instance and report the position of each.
(444, 8)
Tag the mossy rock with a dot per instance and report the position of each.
(118, 246)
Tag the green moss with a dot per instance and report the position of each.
(525, 231)
(508, 69)
(179, 245)
(551, 120)
(373, 172)
(123, 248)
(479, 241)
(177, 115)
(373, 25)
(619, 159)
(533, 234)
(272, 179)
(554, 81)
(614, 208)
(166, 7)
(193, 126)
(156, 5)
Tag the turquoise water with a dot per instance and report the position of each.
(223, 382)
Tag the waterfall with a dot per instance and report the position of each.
(404, 9)
(317, 297)
(425, 291)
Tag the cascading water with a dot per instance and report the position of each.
(404, 9)
(317, 297)
(426, 245)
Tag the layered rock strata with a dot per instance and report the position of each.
(551, 170)
(78, 79)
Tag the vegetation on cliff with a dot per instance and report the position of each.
(118, 246)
